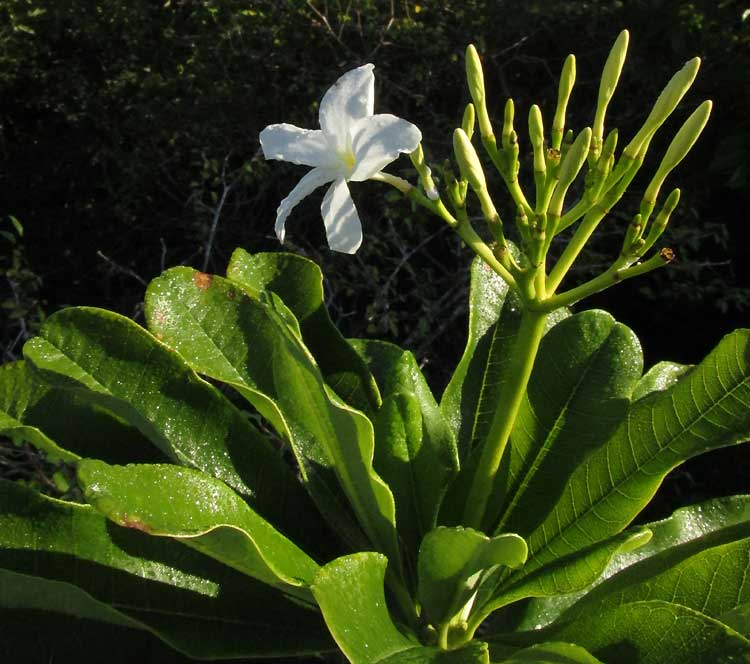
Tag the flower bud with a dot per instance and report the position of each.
(661, 221)
(536, 135)
(610, 77)
(475, 81)
(567, 80)
(468, 161)
(508, 114)
(467, 122)
(666, 103)
(570, 166)
(682, 142)
(424, 172)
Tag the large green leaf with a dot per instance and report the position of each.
(579, 391)
(685, 525)
(551, 653)
(299, 283)
(15, 384)
(568, 574)
(244, 342)
(199, 511)
(228, 336)
(451, 562)
(362, 625)
(75, 424)
(64, 557)
(653, 632)
(107, 357)
(709, 574)
(415, 450)
(707, 409)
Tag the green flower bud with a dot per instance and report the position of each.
(508, 114)
(467, 122)
(536, 134)
(610, 77)
(468, 161)
(682, 142)
(567, 80)
(571, 164)
(424, 172)
(666, 103)
(475, 81)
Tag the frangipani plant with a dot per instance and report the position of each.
(353, 515)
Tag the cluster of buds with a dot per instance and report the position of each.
(557, 162)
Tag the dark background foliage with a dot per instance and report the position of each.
(129, 143)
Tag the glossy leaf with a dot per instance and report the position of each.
(450, 564)
(655, 632)
(568, 574)
(687, 524)
(242, 341)
(708, 574)
(579, 391)
(659, 377)
(299, 283)
(198, 606)
(15, 384)
(224, 334)
(551, 653)
(110, 359)
(415, 451)
(85, 429)
(200, 511)
(709, 408)
(362, 625)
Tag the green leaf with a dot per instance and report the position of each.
(579, 391)
(738, 619)
(707, 409)
(551, 653)
(299, 283)
(659, 377)
(685, 525)
(654, 632)
(75, 424)
(450, 564)
(123, 575)
(708, 574)
(361, 625)
(472, 653)
(415, 451)
(14, 388)
(109, 359)
(201, 512)
(242, 341)
(568, 574)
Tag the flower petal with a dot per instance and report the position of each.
(378, 140)
(343, 228)
(349, 99)
(311, 181)
(300, 146)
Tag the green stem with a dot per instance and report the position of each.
(607, 279)
(511, 396)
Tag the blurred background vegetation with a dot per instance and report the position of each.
(129, 143)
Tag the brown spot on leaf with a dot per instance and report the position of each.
(231, 293)
(202, 280)
(134, 523)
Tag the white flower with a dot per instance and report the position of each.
(352, 144)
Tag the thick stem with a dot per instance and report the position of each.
(511, 396)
